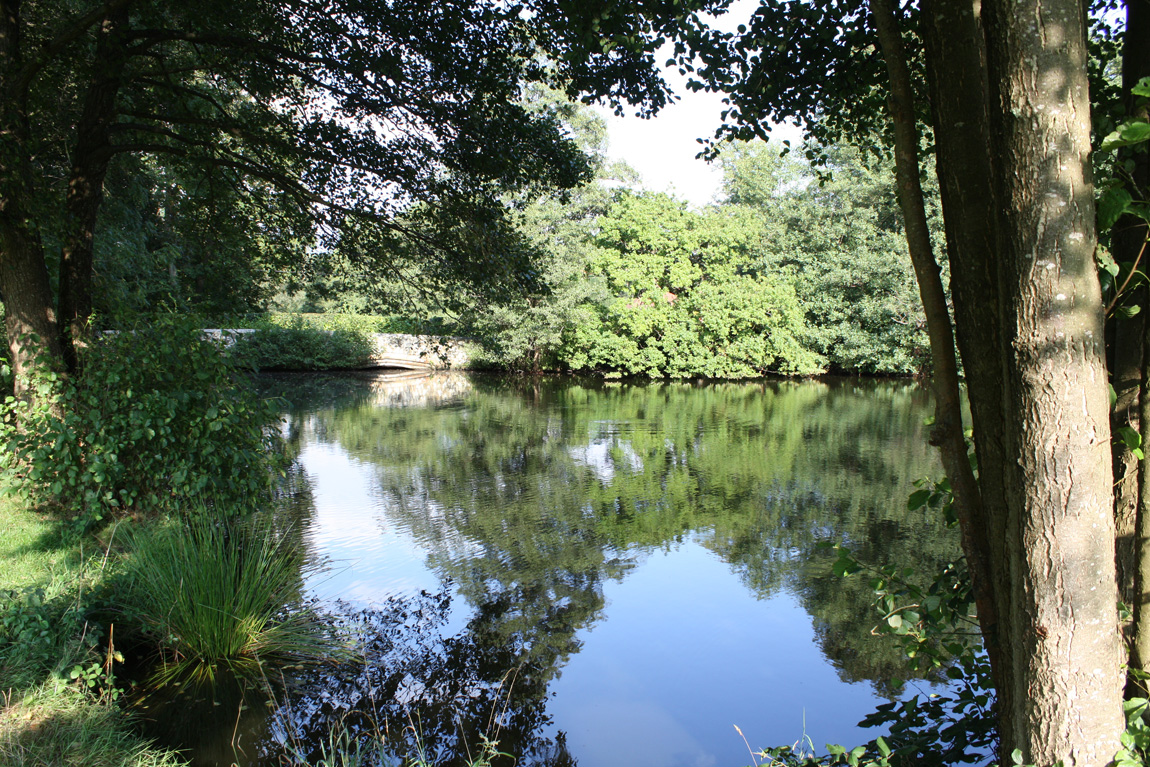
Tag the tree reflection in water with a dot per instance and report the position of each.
(527, 499)
(428, 693)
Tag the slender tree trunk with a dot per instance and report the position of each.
(1059, 528)
(1126, 378)
(1129, 241)
(956, 74)
(91, 155)
(948, 432)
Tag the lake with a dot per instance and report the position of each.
(589, 572)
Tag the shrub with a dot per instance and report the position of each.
(364, 323)
(218, 592)
(155, 417)
(300, 346)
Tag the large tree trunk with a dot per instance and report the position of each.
(1059, 528)
(1020, 228)
(90, 158)
(29, 319)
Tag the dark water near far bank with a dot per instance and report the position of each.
(593, 574)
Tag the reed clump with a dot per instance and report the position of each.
(215, 592)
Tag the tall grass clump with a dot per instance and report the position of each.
(218, 593)
(344, 747)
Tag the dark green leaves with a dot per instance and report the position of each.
(1132, 439)
(1111, 205)
(155, 419)
(1127, 134)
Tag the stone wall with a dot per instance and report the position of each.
(422, 352)
(392, 350)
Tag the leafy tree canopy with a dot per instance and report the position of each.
(686, 300)
(391, 120)
(840, 241)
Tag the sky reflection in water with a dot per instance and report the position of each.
(664, 533)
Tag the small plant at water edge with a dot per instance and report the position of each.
(221, 592)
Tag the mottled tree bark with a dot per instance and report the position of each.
(1059, 526)
(1011, 108)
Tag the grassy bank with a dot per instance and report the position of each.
(46, 716)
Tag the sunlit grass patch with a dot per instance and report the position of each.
(33, 547)
(60, 725)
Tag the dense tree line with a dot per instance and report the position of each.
(795, 269)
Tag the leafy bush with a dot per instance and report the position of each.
(360, 323)
(220, 592)
(155, 418)
(303, 346)
(685, 299)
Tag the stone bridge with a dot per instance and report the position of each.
(396, 350)
(393, 350)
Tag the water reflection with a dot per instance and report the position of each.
(620, 572)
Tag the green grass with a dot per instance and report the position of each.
(61, 725)
(47, 718)
(33, 547)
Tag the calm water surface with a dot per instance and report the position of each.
(593, 574)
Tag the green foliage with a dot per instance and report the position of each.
(685, 300)
(36, 627)
(26, 621)
(303, 345)
(1135, 751)
(155, 418)
(1121, 197)
(356, 323)
(938, 630)
(176, 235)
(215, 592)
(527, 332)
(839, 240)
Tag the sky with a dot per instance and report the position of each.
(663, 148)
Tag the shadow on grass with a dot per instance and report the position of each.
(61, 726)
